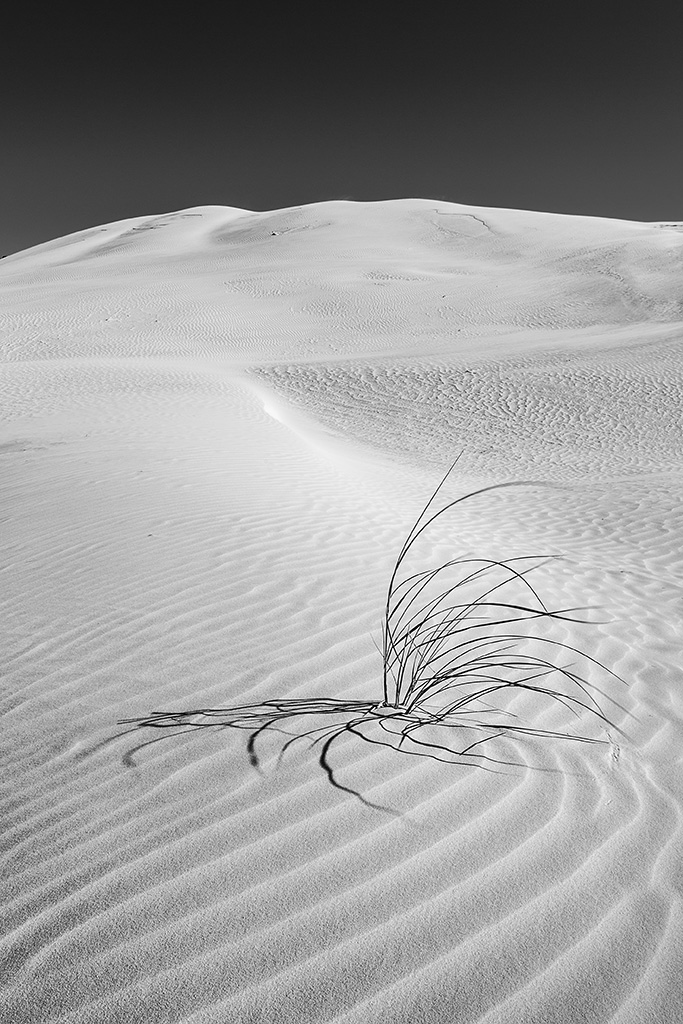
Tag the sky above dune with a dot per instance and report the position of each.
(566, 110)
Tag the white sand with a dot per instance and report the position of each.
(215, 430)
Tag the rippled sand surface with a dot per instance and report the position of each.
(216, 428)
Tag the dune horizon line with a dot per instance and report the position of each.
(348, 201)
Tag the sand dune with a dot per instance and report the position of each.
(216, 428)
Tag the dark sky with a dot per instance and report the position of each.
(574, 109)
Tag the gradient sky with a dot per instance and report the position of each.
(562, 109)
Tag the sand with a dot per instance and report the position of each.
(216, 428)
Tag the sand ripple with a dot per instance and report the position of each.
(215, 429)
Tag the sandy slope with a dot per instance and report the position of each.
(215, 429)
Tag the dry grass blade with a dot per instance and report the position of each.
(447, 651)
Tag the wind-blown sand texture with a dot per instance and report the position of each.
(216, 428)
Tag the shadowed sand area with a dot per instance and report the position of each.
(216, 428)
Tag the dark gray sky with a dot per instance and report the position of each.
(569, 110)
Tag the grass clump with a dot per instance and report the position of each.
(462, 642)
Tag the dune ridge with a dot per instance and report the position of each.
(216, 427)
